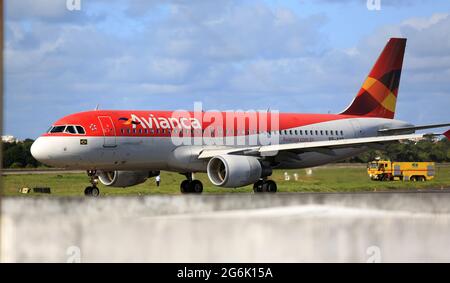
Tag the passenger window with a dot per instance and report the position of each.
(317, 133)
(321, 132)
(58, 129)
(301, 132)
(290, 132)
(326, 133)
(342, 133)
(80, 130)
(306, 133)
(311, 132)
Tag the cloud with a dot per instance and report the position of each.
(390, 3)
(227, 54)
(424, 90)
(51, 11)
(42, 10)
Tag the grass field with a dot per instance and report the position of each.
(323, 179)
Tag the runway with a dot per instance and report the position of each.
(301, 227)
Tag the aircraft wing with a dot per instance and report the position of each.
(411, 128)
(319, 146)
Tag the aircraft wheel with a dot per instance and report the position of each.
(271, 186)
(265, 187)
(268, 186)
(92, 191)
(184, 187)
(258, 186)
(88, 191)
(196, 187)
(95, 192)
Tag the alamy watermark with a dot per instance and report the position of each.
(229, 128)
(73, 5)
(374, 254)
(73, 254)
(373, 5)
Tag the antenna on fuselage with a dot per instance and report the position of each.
(96, 107)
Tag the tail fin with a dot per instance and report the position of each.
(447, 134)
(378, 95)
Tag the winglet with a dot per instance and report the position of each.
(447, 134)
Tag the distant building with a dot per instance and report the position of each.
(9, 139)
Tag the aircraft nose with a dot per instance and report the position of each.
(40, 150)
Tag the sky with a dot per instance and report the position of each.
(292, 56)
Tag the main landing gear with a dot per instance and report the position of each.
(92, 190)
(263, 186)
(190, 185)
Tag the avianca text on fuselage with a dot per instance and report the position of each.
(165, 123)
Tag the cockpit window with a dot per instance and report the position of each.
(57, 129)
(80, 130)
(70, 130)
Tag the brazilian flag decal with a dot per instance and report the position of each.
(83, 141)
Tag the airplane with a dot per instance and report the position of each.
(124, 148)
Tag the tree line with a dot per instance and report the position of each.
(424, 150)
(17, 154)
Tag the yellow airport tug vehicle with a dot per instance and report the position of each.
(383, 170)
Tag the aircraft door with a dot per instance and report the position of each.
(356, 128)
(109, 132)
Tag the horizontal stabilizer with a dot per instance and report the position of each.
(411, 129)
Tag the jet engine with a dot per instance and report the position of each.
(124, 178)
(233, 171)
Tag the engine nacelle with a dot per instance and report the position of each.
(124, 178)
(233, 171)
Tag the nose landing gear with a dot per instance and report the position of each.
(191, 186)
(92, 190)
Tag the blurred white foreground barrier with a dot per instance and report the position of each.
(361, 227)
